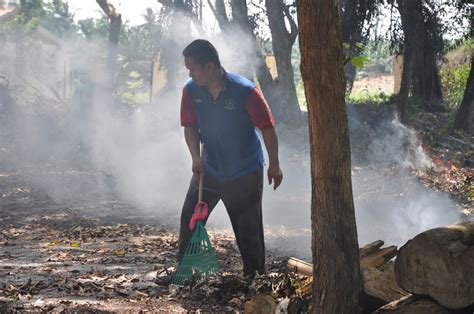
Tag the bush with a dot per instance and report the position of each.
(453, 81)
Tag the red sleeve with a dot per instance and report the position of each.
(188, 116)
(259, 110)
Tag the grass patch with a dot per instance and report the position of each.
(369, 97)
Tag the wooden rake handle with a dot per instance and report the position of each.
(201, 176)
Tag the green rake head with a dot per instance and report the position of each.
(199, 259)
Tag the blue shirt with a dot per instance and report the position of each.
(227, 126)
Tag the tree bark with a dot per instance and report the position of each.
(354, 14)
(220, 12)
(282, 43)
(464, 119)
(420, 52)
(179, 14)
(334, 236)
(439, 263)
(114, 34)
(7, 108)
(252, 51)
(405, 86)
(243, 51)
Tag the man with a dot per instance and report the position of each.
(223, 110)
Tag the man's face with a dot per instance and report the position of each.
(199, 73)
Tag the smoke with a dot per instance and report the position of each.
(91, 147)
(390, 203)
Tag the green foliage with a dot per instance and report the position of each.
(369, 97)
(295, 60)
(26, 20)
(132, 97)
(353, 54)
(470, 192)
(380, 56)
(54, 16)
(140, 42)
(58, 19)
(453, 81)
(92, 28)
(359, 61)
(300, 94)
(460, 44)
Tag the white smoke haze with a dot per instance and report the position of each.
(93, 148)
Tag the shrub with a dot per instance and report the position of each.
(453, 81)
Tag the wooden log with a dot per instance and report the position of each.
(379, 258)
(300, 266)
(412, 305)
(371, 255)
(370, 248)
(381, 283)
(377, 271)
(440, 263)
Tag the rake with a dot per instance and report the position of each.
(199, 259)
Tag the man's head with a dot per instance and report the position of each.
(202, 61)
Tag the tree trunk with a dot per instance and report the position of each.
(220, 13)
(419, 43)
(114, 36)
(242, 50)
(354, 14)
(179, 14)
(464, 119)
(405, 86)
(439, 263)
(282, 43)
(7, 110)
(268, 86)
(334, 236)
(426, 81)
(248, 51)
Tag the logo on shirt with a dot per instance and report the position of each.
(229, 104)
(198, 100)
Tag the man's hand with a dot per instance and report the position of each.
(198, 166)
(274, 175)
(271, 142)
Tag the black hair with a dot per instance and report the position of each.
(202, 51)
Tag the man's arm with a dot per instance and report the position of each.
(271, 143)
(191, 135)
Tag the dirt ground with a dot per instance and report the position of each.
(100, 257)
(54, 257)
(380, 84)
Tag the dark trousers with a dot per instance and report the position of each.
(242, 198)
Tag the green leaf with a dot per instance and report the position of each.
(359, 61)
(359, 45)
(346, 45)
